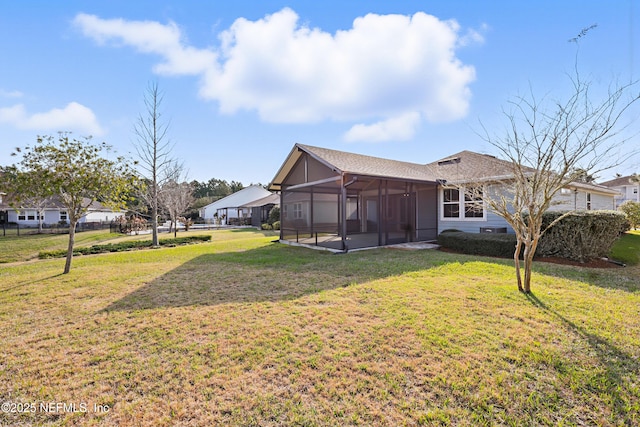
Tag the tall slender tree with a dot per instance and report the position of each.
(153, 147)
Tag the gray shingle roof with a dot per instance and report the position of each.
(367, 165)
(465, 166)
(618, 182)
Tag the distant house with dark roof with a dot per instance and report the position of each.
(345, 201)
(628, 189)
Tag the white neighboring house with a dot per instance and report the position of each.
(232, 206)
(55, 212)
(628, 190)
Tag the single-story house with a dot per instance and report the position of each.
(235, 206)
(345, 201)
(628, 189)
(53, 212)
(260, 208)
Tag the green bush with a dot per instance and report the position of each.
(123, 246)
(582, 235)
(498, 245)
(266, 226)
(276, 225)
(632, 211)
(274, 215)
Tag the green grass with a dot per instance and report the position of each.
(627, 248)
(241, 331)
(26, 247)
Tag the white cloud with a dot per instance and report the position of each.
(385, 66)
(73, 117)
(400, 128)
(149, 37)
(10, 93)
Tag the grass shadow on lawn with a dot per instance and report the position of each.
(271, 273)
(617, 364)
(279, 272)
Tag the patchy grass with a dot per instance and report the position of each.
(23, 248)
(627, 248)
(240, 331)
(27, 247)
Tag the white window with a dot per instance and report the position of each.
(468, 207)
(473, 204)
(21, 217)
(297, 211)
(451, 203)
(588, 201)
(63, 215)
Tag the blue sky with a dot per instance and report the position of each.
(245, 80)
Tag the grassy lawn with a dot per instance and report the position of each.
(627, 248)
(22, 248)
(241, 331)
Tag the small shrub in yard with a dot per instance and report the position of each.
(498, 245)
(582, 235)
(276, 225)
(266, 226)
(123, 246)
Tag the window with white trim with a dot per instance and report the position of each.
(588, 201)
(473, 204)
(63, 215)
(297, 211)
(451, 203)
(468, 207)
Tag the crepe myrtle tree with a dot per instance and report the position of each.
(74, 171)
(175, 194)
(551, 144)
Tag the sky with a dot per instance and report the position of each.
(243, 81)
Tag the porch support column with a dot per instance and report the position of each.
(282, 224)
(343, 213)
(311, 213)
(380, 209)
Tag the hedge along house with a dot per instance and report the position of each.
(347, 201)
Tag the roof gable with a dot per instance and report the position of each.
(239, 198)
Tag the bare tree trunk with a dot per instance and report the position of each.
(72, 241)
(528, 264)
(39, 213)
(516, 260)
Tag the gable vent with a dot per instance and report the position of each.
(449, 161)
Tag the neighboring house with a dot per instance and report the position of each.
(345, 201)
(628, 189)
(54, 212)
(233, 207)
(260, 209)
(3, 208)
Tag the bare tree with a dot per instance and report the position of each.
(154, 151)
(549, 146)
(176, 194)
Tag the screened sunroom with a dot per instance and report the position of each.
(345, 201)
